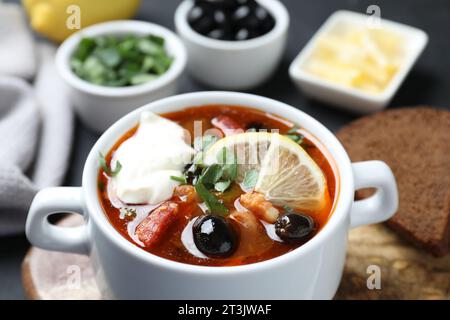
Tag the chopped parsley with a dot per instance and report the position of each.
(294, 135)
(107, 169)
(120, 61)
(128, 214)
(182, 179)
(213, 204)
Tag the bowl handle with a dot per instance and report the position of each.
(41, 233)
(384, 203)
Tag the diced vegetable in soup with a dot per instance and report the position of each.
(217, 185)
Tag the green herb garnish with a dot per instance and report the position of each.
(107, 169)
(216, 177)
(84, 49)
(211, 201)
(201, 144)
(179, 179)
(229, 162)
(222, 186)
(205, 142)
(293, 130)
(211, 174)
(288, 209)
(120, 61)
(128, 214)
(294, 135)
(250, 179)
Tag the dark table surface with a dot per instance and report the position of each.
(428, 84)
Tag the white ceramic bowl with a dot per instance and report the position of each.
(350, 98)
(234, 65)
(100, 106)
(123, 270)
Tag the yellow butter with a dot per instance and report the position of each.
(359, 57)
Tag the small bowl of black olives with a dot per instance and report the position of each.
(233, 44)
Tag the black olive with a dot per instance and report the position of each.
(230, 19)
(204, 25)
(245, 34)
(201, 18)
(242, 34)
(220, 17)
(218, 34)
(251, 22)
(240, 14)
(195, 14)
(294, 228)
(261, 13)
(251, 3)
(214, 236)
(223, 4)
(267, 23)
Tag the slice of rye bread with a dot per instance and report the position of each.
(415, 143)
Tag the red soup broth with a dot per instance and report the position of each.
(264, 248)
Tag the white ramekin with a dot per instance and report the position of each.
(349, 98)
(234, 65)
(99, 106)
(312, 271)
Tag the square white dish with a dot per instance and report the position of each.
(351, 98)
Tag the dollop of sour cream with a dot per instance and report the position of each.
(156, 152)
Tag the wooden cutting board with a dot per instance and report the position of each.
(405, 272)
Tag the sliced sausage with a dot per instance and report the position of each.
(227, 125)
(153, 228)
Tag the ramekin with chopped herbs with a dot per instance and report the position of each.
(115, 61)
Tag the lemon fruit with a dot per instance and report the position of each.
(249, 149)
(287, 175)
(50, 17)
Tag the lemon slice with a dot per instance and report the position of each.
(287, 174)
(249, 148)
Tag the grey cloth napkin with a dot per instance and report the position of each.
(36, 126)
(16, 43)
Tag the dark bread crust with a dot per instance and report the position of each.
(415, 143)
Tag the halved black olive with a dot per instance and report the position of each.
(266, 21)
(242, 34)
(195, 14)
(245, 34)
(204, 25)
(251, 3)
(218, 34)
(261, 13)
(223, 4)
(201, 18)
(294, 227)
(241, 14)
(214, 236)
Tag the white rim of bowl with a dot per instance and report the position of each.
(119, 27)
(275, 8)
(337, 151)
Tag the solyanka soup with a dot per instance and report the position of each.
(217, 185)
